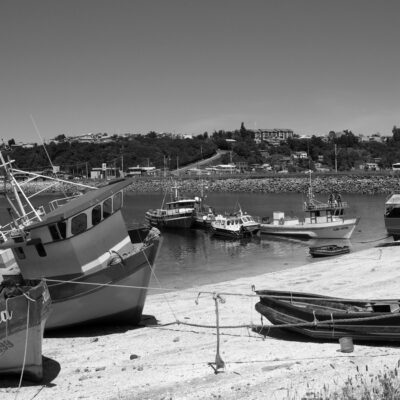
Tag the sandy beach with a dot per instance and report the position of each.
(164, 359)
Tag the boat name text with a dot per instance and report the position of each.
(5, 316)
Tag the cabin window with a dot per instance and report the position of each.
(79, 224)
(117, 201)
(55, 234)
(96, 215)
(107, 208)
(62, 228)
(18, 239)
(20, 253)
(41, 250)
(57, 231)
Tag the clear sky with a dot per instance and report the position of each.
(116, 66)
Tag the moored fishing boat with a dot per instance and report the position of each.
(178, 213)
(24, 309)
(323, 220)
(235, 225)
(96, 268)
(329, 250)
(325, 317)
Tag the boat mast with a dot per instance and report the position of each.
(310, 192)
(16, 188)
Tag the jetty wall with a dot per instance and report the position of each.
(357, 184)
(277, 184)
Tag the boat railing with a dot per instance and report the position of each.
(54, 204)
(25, 220)
(319, 206)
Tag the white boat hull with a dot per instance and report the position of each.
(96, 298)
(328, 230)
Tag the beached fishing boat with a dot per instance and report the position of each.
(177, 213)
(392, 216)
(329, 250)
(23, 313)
(95, 267)
(323, 220)
(325, 317)
(235, 225)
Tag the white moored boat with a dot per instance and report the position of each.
(236, 225)
(322, 221)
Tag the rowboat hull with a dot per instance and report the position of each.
(329, 230)
(330, 318)
(328, 251)
(21, 335)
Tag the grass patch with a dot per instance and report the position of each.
(384, 385)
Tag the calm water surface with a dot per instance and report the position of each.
(192, 257)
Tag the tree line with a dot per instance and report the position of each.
(344, 151)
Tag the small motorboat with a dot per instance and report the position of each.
(328, 250)
(324, 317)
(24, 309)
(236, 225)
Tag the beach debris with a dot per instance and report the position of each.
(133, 356)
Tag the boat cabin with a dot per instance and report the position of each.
(82, 234)
(182, 204)
(318, 212)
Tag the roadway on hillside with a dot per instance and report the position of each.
(200, 163)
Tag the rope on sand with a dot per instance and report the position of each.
(219, 364)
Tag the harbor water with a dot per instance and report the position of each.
(190, 258)
(193, 257)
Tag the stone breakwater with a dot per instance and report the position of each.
(344, 184)
(362, 184)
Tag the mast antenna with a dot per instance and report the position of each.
(41, 139)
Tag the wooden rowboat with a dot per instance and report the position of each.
(324, 317)
(23, 314)
(328, 250)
